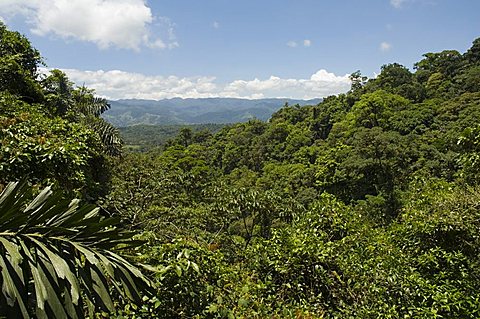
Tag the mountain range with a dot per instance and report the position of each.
(194, 111)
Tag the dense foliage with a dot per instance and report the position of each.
(145, 137)
(58, 256)
(363, 206)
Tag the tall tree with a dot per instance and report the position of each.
(82, 106)
(19, 66)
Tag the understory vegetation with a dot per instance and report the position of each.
(366, 205)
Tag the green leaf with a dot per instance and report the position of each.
(10, 287)
(63, 270)
(178, 270)
(13, 250)
(195, 267)
(47, 243)
(100, 288)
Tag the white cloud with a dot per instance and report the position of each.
(216, 24)
(292, 44)
(320, 84)
(124, 24)
(119, 85)
(11, 7)
(397, 3)
(385, 46)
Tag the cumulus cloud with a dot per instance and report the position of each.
(307, 43)
(117, 84)
(385, 46)
(11, 7)
(320, 84)
(126, 24)
(216, 24)
(123, 85)
(292, 44)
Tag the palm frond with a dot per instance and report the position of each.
(92, 105)
(88, 104)
(108, 134)
(55, 259)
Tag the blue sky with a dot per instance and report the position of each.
(249, 48)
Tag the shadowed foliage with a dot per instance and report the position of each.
(56, 259)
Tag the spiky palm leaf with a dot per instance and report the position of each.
(109, 135)
(81, 105)
(88, 109)
(88, 104)
(55, 258)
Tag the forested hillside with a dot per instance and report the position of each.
(194, 111)
(146, 137)
(363, 206)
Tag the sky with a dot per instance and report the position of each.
(224, 48)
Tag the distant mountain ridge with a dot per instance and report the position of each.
(194, 111)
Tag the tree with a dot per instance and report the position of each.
(185, 136)
(45, 149)
(58, 92)
(375, 109)
(393, 75)
(50, 131)
(447, 63)
(473, 54)
(19, 66)
(358, 80)
(82, 106)
(469, 142)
